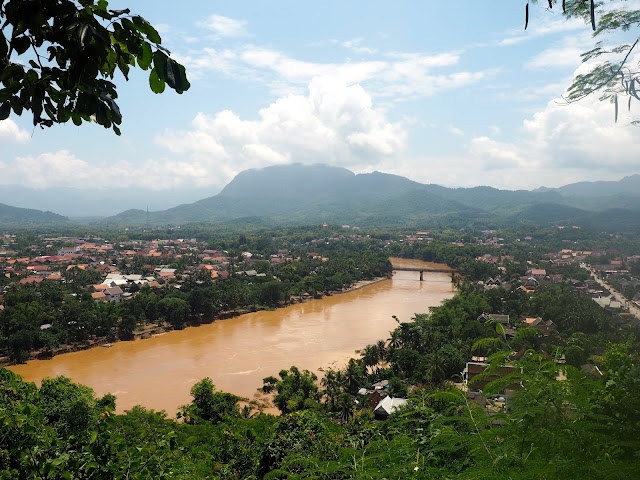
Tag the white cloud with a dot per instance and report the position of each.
(559, 145)
(456, 131)
(540, 27)
(10, 132)
(496, 155)
(60, 169)
(355, 45)
(564, 54)
(64, 169)
(224, 26)
(391, 74)
(334, 123)
(339, 124)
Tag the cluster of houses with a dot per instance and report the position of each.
(536, 276)
(154, 261)
(52, 261)
(545, 327)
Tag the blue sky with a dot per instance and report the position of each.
(453, 93)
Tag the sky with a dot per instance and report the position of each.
(452, 93)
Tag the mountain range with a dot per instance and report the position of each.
(312, 194)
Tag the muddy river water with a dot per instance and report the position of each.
(239, 352)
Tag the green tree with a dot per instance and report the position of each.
(174, 310)
(208, 405)
(295, 390)
(69, 407)
(19, 345)
(60, 57)
(575, 356)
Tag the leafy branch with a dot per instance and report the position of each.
(85, 43)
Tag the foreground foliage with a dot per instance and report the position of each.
(58, 60)
(612, 70)
(580, 427)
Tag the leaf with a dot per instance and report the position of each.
(64, 114)
(5, 110)
(116, 116)
(159, 63)
(32, 76)
(146, 28)
(20, 44)
(155, 82)
(16, 104)
(176, 76)
(4, 49)
(145, 57)
(82, 33)
(526, 16)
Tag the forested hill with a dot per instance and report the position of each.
(10, 216)
(630, 184)
(311, 194)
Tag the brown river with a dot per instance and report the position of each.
(239, 352)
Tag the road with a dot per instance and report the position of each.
(628, 305)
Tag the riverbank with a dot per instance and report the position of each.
(237, 354)
(150, 330)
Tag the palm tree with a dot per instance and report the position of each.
(382, 353)
(435, 367)
(351, 377)
(331, 384)
(370, 356)
(345, 407)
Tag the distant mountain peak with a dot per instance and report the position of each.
(286, 180)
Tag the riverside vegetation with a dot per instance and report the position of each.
(574, 425)
(75, 320)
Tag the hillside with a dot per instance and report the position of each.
(15, 216)
(630, 184)
(311, 194)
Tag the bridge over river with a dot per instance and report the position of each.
(411, 265)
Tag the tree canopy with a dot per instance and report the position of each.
(58, 59)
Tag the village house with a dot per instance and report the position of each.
(99, 297)
(476, 375)
(537, 273)
(113, 294)
(545, 327)
(68, 251)
(501, 319)
(387, 406)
